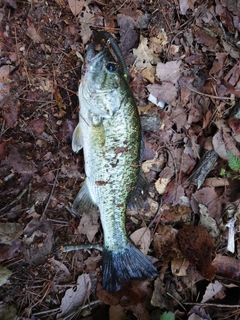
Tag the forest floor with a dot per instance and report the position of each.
(184, 66)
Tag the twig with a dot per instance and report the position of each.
(59, 221)
(176, 300)
(16, 200)
(46, 311)
(210, 96)
(213, 305)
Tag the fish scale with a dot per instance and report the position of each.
(109, 132)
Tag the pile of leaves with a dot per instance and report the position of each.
(183, 60)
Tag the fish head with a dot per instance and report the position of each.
(102, 82)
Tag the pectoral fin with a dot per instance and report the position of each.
(83, 201)
(77, 139)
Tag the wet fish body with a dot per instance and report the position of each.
(109, 132)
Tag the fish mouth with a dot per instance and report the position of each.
(93, 59)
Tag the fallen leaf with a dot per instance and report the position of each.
(204, 38)
(158, 296)
(9, 232)
(209, 224)
(36, 127)
(228, 267)
(62, 274)
(214, 291)
(86, 20)
(196, 245)
(117, 313)
(17, 159)
(5, 273)
(128, 33)
(169, 71)
(142, 239)
(145, 60)
(218, 63)
(165, 92)
(157, 43)
(179, 267)
(89, 225)
(209, 198)
(8, 251)
(76, 6)
(4, 82)
(185, 5)
(75, 297)
(38, 241)
(71, 170)
(33, 34)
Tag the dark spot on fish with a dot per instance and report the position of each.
(125, 142)
(101, 183)
(120, 205)
(120, 150)
(114, 164)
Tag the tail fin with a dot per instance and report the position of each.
(122, 265)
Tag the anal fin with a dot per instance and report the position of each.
(83, 201)
(139, 194)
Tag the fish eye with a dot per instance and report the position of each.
(111, 66)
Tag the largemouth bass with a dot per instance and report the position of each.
(109, 132)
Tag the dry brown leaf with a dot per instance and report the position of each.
(38, 241)
(169, 71)
(157, 43)
(76, 6)
(4, 82)
(185, 5)
(142, 239)
(209, 224)
(75, 297)
(117, 313)
(214, 291)
(218, 63)
(165, 92)
(89, 225)
(208, 197)
(145, 60)
(179, 267)
(9, 232)
(227, 266)
(128, 33)
(216, 182)
(86, 19)
(33, 34)
(62, 274)
(17, 159)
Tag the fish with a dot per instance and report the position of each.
(109, 132)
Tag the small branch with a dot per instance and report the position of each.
(211, 96)
(212, 304)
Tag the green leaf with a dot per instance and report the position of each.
(234, 162)
(222, 172)
(167, 316)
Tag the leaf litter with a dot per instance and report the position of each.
(183, 59)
